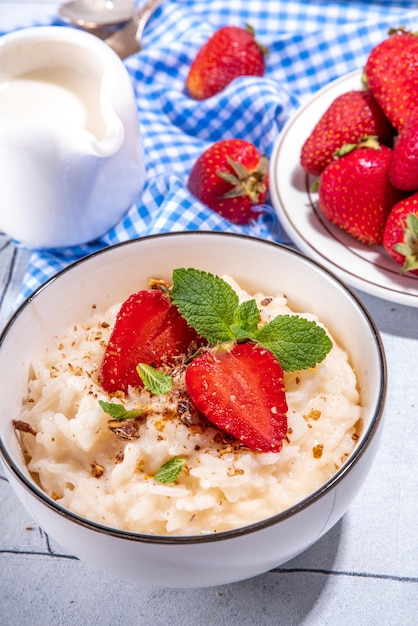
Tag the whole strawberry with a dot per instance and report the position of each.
(355, 193)
(231, 178)
(349, 117)
(400, 237)
(231, 52)
(403, 170)
(391, 72)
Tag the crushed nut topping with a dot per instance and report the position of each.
(24, 427)
(159, 425)
(317, 451)
(96, 469)
(235, 471)
(313, 414)
(127, 429)
(157, 283)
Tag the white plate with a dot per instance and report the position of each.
(368, 268)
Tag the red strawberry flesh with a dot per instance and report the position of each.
(148, 329)
(242, 392)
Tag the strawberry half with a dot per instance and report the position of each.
(242, 392)
(355, 193)
(400, 237)
(148, 329)
(230, 52)
(391, 74)
(349, 117)
(231, 178)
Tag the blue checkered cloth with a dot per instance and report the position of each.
(310, 42)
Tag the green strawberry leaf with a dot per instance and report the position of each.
(297, 343)
(207, 303)
(156, 381)
(409, 246)
(118, 411)
(170, 471)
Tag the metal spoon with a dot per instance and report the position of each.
(124, 40)
(127, 40)
(92, 14)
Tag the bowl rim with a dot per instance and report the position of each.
(254, 527)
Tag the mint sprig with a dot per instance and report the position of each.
(156, 381)
(118, 411)
(170, 471)
(211, 306)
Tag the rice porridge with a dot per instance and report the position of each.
(105, 472)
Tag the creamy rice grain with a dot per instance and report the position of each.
(95, 473)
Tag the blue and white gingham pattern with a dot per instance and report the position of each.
(310, 43)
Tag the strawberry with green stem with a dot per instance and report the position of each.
(355, 192)
(400, 237)
(231, 178)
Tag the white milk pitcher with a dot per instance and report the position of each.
(71, 158)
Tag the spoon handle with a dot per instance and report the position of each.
(142, 16)
(127, 40)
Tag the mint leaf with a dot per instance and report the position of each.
(207, 303)
(170, 471)
(297, 343)
(156, 381)
(247, 316)
(118, 411)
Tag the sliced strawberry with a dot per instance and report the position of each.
(242, 392)
(148, 329)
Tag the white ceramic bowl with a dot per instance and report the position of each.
(110, 276)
